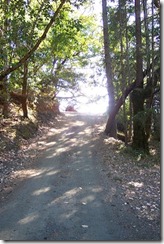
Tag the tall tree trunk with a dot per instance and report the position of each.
(130, 121)
(150, 99)
(127, 71)
(5, 92)
(127, 91)
(139, 61)
(122, 24)
(110, 127)
(24, 91)
(5, 98)
(139, 136)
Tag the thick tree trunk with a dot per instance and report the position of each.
(140, 140)
(121, 100)
(4, 97)
(139, 61)
(4, 84)
(5, 111)
(110, 127)
(24, 108)
(117, 106)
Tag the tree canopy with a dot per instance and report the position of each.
(46, 45)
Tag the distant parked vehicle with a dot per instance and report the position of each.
(70, 108)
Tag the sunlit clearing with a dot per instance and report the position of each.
(94, 101)
(93, 108)
(98, 95)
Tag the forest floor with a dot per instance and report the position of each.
(134, 175)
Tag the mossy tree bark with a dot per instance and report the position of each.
(140, 139)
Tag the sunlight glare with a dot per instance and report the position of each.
(98, 106)
(94, 102)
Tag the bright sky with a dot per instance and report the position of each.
(96, 107)
(95, 99)
(83, 104)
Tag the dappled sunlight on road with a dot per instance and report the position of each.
(31, 217)
(63, 187)
(53, 172)
(66, 134)
(71, 136)
(29, 173)
(68, 215)
(41, 191)
(65, 196)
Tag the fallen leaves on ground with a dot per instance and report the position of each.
(136, 174)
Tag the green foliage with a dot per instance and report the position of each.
(70, 39)
(71, 42)
(123, 52)
(138, 155)
(142, 116)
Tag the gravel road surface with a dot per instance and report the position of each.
(68, 197)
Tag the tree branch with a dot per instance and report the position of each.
(7, 71)
(121, 100)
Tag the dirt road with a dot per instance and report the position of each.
(68, 196)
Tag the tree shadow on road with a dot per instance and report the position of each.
(66, 196)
